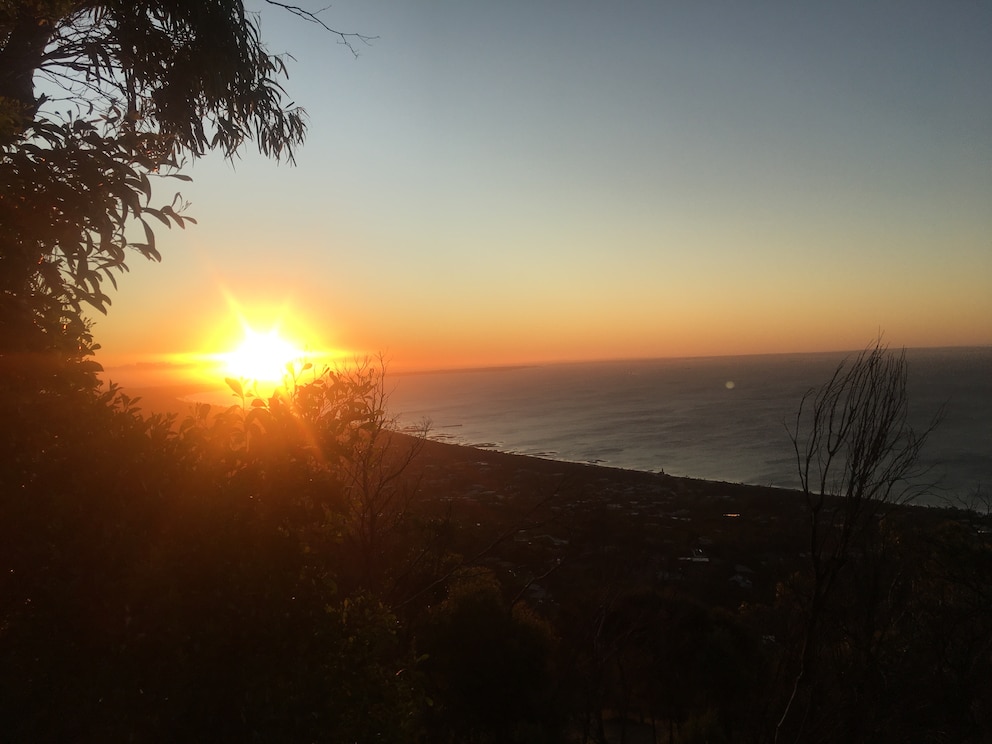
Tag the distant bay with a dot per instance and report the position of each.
(717, 418)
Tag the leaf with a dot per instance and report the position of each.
(110, 276)
(149, 234)
(236, 386)
(157, 213)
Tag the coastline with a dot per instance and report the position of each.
(565, 529)
(678, 417)
(175, 400)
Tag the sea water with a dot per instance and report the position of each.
(718, 418)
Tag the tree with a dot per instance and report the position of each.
(663, 660)
(130, 91)
(858, 457)
(184, 583)
(489, 667)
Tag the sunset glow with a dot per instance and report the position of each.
(699, 184)
(262, 357)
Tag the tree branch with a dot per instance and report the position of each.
(346, 38)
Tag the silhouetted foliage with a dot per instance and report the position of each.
(667, 662)
(213, 579)
(489, 668)
(165, 583)
(904, 646)
(129, 91)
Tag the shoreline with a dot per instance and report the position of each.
(641, 483)
(173, 400)
(733, 543)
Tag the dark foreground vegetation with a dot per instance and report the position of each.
(292, 570)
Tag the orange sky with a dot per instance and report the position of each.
(505, 184)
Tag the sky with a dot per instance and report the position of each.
(525, 182)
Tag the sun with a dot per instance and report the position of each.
(262, 357)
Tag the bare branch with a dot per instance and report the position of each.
(858, 457)
(348, 39)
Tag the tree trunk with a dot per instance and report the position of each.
(20, 59)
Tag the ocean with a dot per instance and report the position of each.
(716, 418)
